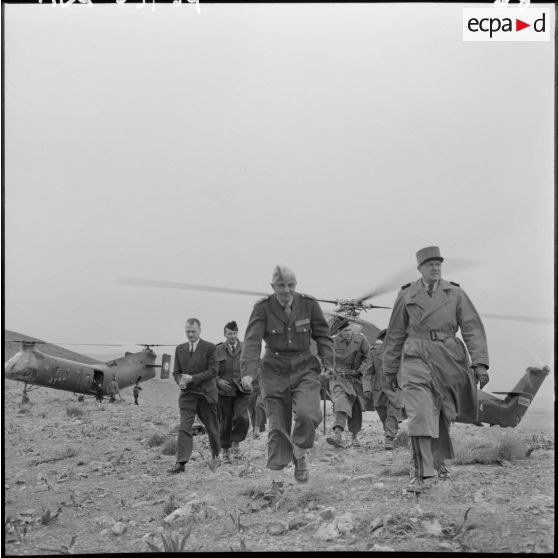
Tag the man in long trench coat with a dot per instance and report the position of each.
(437, 377)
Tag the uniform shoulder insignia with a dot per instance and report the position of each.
(405, 286)
(456, 284)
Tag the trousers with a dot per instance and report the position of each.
(233, 414)
(291, 389)
(191, 404)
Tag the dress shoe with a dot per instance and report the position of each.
(301, 473)
(178, 468)
(415, 485)
(388, 445)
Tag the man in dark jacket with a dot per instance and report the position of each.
(233, 397)
(195, 370)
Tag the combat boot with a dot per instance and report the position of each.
(301, 473)
(443, 472)
(337, 438)
(388, 445)
(227, 456)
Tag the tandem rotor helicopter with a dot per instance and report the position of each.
(58, 368)
(506, 412)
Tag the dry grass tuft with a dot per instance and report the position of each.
(156, 440)
(74, 411)
(170, 446)
(477, 449)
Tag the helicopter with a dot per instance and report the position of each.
(60, 369)
(506, 412)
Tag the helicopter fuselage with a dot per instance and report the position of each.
(32, 366)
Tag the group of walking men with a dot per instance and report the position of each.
(421, 369)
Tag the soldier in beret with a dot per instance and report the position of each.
(287, 321)
(438, 379)
(233, 396)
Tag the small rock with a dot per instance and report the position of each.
(381, 548)
(104, 521)
(345, 523)
(119, 528)
(328, 514)
(297, 523)
(104, 533)
(378, 485)
(276, 528)
(326, 532)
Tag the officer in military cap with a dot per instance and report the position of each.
(438, 379)
(287, 320)
(233, 397)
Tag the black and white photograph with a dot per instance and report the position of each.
(278, 276)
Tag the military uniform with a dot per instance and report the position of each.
(387, 403)
(233, 404)
(289, 371)
(435, 375)
(346, 386)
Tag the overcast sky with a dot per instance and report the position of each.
(336, 139)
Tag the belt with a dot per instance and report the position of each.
(271, 352)
(432, 335)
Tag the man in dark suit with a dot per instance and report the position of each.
(195, 370)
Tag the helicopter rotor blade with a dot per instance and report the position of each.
(329, 301)
(512, 318)
(138, 282)
(450, 265)
(349, 318)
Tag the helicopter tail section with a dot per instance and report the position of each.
(509, 411)
(165, 366)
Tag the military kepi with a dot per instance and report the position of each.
(428, 253)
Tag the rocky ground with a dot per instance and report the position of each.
(91, 478)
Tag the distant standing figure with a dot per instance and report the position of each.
(99, 393)
(113, 390)
(437, 377)
(233, 396)
(195, 370)
(387, 403)
(137, 389)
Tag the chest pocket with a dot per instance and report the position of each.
(302, 326)
(275, 328)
